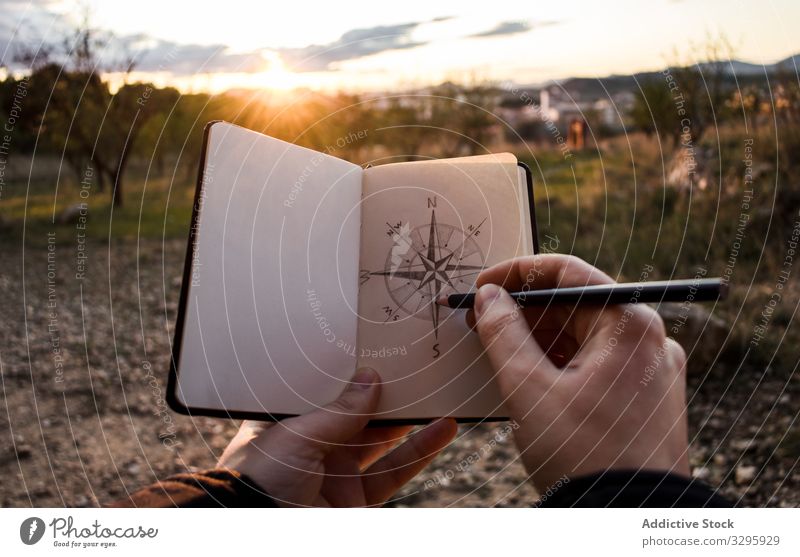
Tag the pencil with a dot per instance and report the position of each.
(692, 290)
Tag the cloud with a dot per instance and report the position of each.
(150, 54)
(182, 59)
(156, 55)
(24, 25)
(147, 53)
(512, 28)
(353, 44)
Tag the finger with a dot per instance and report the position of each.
(374, 442)
(248, 431)
(557, 344)
(513, 352)
(548, 270)
(344, 418)
(253, 427)
(470, 318)
(677, 354)
(342, 485)
(522, 274)
(538, 318)
(552, 271)
(394, 470)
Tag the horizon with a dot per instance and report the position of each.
(340, 49)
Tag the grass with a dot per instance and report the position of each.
(154, 207)
(617, 213)
(611, 208)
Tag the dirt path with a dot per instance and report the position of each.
(82, 420)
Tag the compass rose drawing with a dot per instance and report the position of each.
(426, 262)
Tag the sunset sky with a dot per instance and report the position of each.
(216, 45)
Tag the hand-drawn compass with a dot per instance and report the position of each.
(426, 262)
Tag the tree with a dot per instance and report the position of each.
(703, 82)
(67, 109)
(467, 113)
(400, 124)
(653, 109)
(76, 114)
(128, 112)
(692, 93)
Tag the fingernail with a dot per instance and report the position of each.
(470, 320)
(487, 294)
(364, 379)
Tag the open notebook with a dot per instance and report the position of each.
(302, 267)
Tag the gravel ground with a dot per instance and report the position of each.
(82, 420)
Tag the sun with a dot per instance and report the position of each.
(277, 75)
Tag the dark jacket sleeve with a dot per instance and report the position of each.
(223, 488)
(633, 489)
(211, 488)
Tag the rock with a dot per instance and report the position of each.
(700, 333)
(745, 474)
(744, 445)
(701, 473)
(70, 214)
(727, 409)
(679, 170)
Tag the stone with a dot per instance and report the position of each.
(70, 214)
(699, 332)
(744, 445)
(745, 474)
(701, 473)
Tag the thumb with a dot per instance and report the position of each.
(342, 419)
(505, 334)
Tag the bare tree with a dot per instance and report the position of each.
(79, 115)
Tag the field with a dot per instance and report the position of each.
(84, 360)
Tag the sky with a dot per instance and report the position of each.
(215, 45)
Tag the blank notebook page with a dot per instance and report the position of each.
(271, 310)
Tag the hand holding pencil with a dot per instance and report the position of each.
(593, 387)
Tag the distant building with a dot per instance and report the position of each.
(526, 110)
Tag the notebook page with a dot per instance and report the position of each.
(428, 228)
(271, 305)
